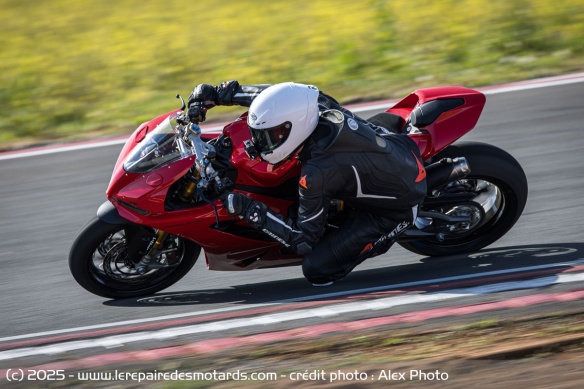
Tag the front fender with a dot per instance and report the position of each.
(108, 213)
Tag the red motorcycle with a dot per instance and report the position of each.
(164, 194)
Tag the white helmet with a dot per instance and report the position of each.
(281, 118)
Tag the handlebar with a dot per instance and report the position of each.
(204, 152)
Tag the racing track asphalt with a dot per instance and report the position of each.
(46, 199)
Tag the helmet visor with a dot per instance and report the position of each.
(267, 139)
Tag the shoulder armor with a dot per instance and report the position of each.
(353, 135)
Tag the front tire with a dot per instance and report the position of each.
(99, 260)
(491, 168)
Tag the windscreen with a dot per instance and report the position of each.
(160, 147)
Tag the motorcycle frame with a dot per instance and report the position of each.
(140, 198)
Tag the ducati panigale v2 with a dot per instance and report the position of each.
(163, 198)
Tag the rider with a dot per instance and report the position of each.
(370, 169)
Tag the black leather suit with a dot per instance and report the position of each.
(376, 173)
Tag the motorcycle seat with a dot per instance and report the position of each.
(393, 123)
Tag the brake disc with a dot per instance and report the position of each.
(118, 265)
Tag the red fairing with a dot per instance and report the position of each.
(140, 198)
(451, 124)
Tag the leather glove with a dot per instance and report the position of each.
(236, 204)
(197, 112)
(211, 96)
(225, 92)
(204, 94)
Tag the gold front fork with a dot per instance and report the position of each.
(160, 236)
(145, 263)
(189, 189)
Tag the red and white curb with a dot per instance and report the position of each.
(307, 332)
(569, 272)
(382, 104)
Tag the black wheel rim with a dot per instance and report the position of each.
(111, 266)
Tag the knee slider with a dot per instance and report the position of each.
(314, 275)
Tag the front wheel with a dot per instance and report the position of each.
(103, 257)
(496, 189)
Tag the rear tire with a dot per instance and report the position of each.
(100, 263)
(491, 165)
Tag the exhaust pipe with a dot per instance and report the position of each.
(445, 171)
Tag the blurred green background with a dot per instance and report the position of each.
(72, 69)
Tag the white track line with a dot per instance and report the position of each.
(512, 87)
(282, 317)
(577, 262)
(542, 84)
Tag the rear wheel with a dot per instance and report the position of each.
(496, 190)
(103, 257)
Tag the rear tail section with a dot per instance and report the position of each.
(437, 117)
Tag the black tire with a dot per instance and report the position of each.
(494, 166)
(96, 240)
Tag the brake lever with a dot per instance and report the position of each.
(184, 105)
